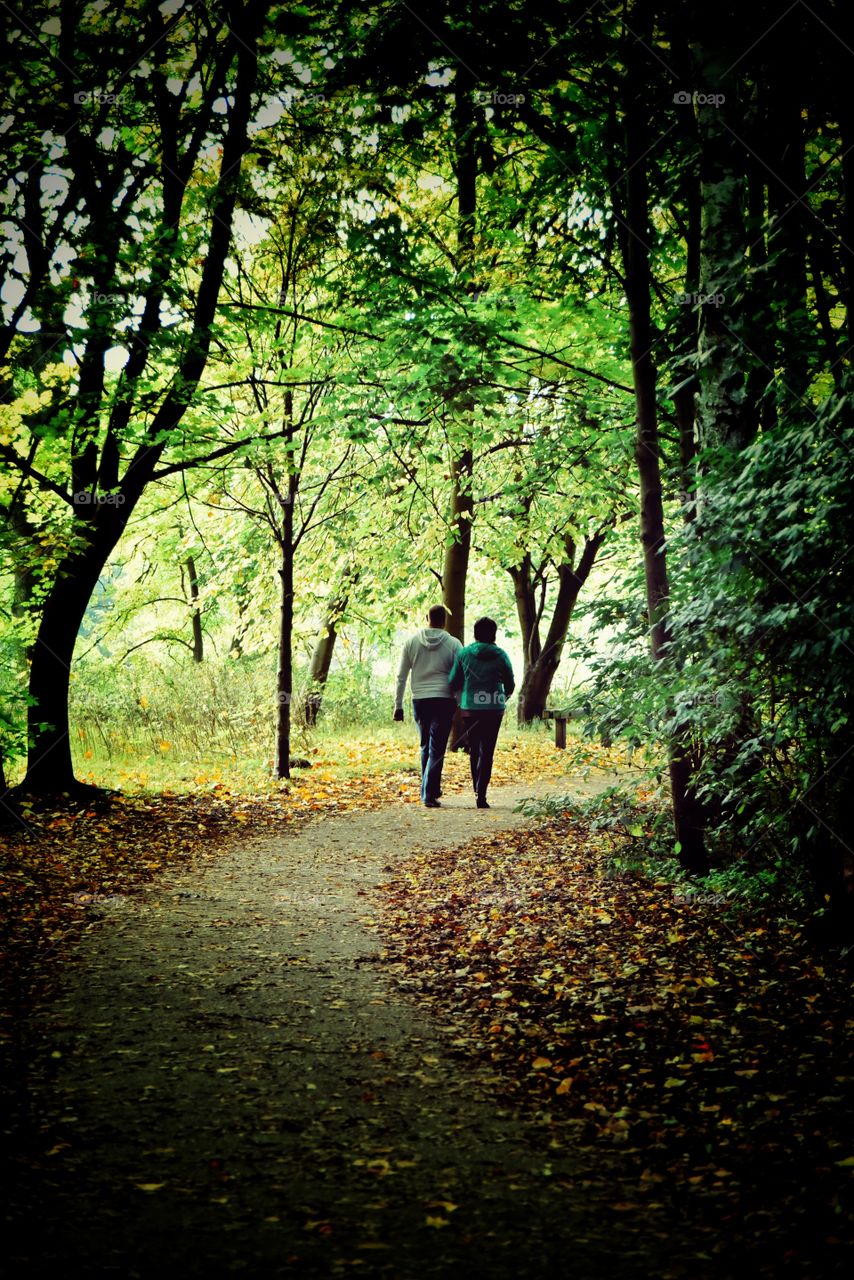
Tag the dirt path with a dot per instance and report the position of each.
(229, 1082)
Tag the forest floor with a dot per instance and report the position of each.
(364, 1038)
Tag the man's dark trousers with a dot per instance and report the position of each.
(433, 717)
(481, 734)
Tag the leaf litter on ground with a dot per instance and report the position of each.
(699, 1057)
(60, 857)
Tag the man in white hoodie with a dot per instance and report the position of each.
(428, 656)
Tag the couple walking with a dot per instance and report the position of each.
(441, 667)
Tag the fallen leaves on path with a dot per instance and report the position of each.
(59, 859)
(710, 1057)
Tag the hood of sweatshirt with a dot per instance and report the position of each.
(485, 652)
(431, 637)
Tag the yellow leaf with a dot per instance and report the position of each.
(672, 1083)
(565, 1085)
(541, 1064)
(149, 1186)
(436, 1222)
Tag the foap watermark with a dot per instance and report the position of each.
(498, 98)
(696, 897)
(700, 299)
(93, 899)
(484, 700)
(102, 97)
(504, 301)
(87, 499)
(681, 99)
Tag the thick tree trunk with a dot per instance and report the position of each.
(634, 239)
(195, 617)
(526, 610)
(542, 662)
(535, 690)
(49, 761)
(321, 658)
(49, 766)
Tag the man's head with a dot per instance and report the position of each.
(485, 630)
(437, 616)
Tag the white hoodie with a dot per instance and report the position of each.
(429, 656)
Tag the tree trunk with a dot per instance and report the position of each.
(758, 406)
(723, 353)
(455, 570)
(846, 128)
(285, 674)
(542, 663)
(195, 617)
(456, 566)
(49, 765)
(788, 190)
(321, 659)
(526, 610)
(634, 243)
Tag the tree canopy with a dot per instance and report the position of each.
(314, 314)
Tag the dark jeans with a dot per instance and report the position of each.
(433, 717)
(481, 734)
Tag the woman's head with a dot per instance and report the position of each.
(485, 630)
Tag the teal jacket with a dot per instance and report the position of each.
(484, 674)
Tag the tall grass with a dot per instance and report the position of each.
(147, 709)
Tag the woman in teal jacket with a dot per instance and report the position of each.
(483, 673)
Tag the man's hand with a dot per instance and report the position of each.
(398, 715)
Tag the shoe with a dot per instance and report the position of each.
(432, 804)
(482, 803)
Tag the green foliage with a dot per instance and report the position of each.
(355, 695)
(760, 667)
(177, 709)
(415, 322)
(766, 648)
(199, 713)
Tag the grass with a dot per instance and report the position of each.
(362, 752)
